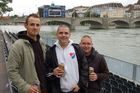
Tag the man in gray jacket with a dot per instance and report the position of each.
(26, 59)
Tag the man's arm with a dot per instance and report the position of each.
(13, 65)
(104, 71)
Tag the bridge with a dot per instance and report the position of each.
(92, 22)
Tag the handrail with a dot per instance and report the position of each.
(124, 69)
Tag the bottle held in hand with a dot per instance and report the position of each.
(91, 74)
(91, 70)
(61, 66)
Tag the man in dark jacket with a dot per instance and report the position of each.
(96, 63)
(73, 74)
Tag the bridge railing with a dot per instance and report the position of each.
(124, 69)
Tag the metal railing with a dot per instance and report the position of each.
(124, 69)
(5, 86)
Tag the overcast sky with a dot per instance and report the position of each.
(26, 7)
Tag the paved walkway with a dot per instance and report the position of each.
(4, 84)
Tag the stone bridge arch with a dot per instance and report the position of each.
(136, 22)
(58, 21)
(93, 22)
(119, 22)
(61, 20)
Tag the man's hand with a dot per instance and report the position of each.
(75, 88)
(58, 72)
(93, 76)
(34, 89)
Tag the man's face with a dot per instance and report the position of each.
(86, 44)
(63, 35)
(33, 27)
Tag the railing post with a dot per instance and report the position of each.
(134, 72)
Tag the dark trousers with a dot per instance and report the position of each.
(70, 92)
(44, 90)
(93, 91)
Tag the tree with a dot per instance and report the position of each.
(87, 14)
(4, 6)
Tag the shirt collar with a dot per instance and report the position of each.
(58, 45)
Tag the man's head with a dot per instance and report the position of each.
(32, 24)
(63, 35)
(86, 44)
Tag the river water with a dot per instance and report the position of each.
(123, 44)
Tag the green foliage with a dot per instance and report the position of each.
(87, 14)
(95, 15)
(14, 16)
(4, 6)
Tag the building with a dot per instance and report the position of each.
(78, 11)
(111, 10)
(133, 10)
(68, 13)
(52, 10)
(136, 11)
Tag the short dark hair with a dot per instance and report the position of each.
(31, 15)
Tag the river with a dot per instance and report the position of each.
(123, 44)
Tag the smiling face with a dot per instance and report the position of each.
(63, 35)
(33, 27)
(86, 44)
